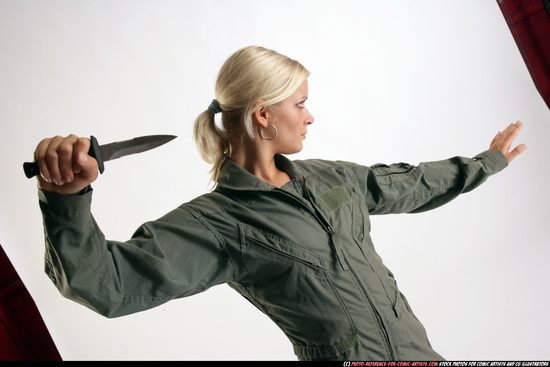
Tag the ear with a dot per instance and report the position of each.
(261, 115)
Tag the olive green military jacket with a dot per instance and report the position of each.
(301, 254)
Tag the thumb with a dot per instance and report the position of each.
(517, 151)
(86, 164)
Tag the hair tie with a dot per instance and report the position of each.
(215, 107)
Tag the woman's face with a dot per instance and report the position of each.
(291, 118)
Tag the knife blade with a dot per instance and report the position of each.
(107, 152)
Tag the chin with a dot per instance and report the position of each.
(295, 149)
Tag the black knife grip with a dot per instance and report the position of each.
(96, 153)
(31, 168)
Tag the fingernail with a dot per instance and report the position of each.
(47, 179)
(67, 179)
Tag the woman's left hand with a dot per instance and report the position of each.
(503, 141)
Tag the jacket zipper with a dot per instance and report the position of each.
(343, 261)
(324, 223)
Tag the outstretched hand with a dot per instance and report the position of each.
(503, 141)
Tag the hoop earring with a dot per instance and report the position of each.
(262, 133)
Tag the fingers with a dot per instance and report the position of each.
(64, 162)
(503, 141)
(54, 157)
(511, 132)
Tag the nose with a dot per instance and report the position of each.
(309, 119)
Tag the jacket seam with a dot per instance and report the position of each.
(215, 233)
(318, 171)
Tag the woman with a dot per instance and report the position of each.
(291, 237)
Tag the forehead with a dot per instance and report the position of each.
(301, 92)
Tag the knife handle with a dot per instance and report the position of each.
(31, 168)
(95, 152)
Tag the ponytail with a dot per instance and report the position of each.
(212, 142)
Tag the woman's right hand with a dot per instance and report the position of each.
(65, 166)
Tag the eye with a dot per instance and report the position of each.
(302, 104)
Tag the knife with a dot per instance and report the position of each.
(107, 152)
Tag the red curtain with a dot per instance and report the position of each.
(23, 334)
(529, 22)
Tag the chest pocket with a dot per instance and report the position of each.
(334, 200)
(290, 284)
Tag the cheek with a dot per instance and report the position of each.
(292, 129)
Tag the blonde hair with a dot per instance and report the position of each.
(252, 73)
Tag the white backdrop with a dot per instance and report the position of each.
(390, 81)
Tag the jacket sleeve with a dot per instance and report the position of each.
(174, 256)
(403, 188)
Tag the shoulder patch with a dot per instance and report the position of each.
(334, 198)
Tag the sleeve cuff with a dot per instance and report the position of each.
(495, 160)
(67, 203)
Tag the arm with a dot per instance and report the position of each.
(174, 256)
(403, 188)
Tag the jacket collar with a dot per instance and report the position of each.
(234, 177)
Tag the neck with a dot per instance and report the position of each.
(260, 163)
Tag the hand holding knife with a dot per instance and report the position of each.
(101, 153)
